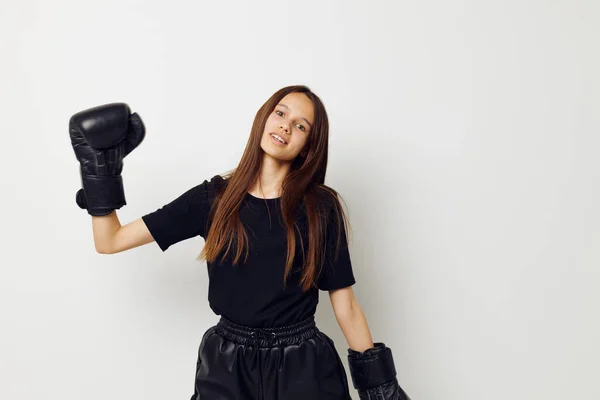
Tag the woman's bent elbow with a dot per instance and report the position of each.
(103, 249)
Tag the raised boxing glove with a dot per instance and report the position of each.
(101, 137)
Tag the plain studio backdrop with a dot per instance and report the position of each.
(463, 140)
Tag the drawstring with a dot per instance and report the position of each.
(256, 334)
(280, 335)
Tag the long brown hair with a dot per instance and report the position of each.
(304, 182)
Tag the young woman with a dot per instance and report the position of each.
(274, 236)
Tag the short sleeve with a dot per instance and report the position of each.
(337, 272)
(185, 216)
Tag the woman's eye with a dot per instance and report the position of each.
(303, 128)
(278, 112)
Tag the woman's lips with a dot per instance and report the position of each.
(277, 140)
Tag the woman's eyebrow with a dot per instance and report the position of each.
(283, 105)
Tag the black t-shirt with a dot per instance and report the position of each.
(252, 293)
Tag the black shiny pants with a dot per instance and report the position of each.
(296, 362)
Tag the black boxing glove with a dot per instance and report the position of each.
(101, 137)
(373, 373)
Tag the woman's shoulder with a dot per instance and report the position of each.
(217, 181)
(205, 191)
(214, 186)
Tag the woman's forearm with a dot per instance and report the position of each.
(355, 328)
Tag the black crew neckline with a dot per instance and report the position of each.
(254, 198)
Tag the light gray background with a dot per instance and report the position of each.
(464, 140)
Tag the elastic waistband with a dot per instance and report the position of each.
(267, 337)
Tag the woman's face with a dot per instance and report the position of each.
(291, 120)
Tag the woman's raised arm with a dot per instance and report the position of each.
(110, 237)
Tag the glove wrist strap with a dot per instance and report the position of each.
(372, 368)
(103, 194)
